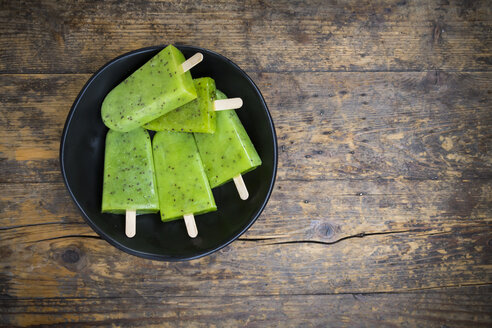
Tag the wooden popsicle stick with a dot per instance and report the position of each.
(231, 103)
(131, 224)
(190, 225)
(241, 187)
(192, 61)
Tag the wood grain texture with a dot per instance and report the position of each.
(78, 265)
(382, 209)
(435, 308)
(268, 35)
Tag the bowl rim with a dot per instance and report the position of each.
(86, 217)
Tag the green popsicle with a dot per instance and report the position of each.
(158, 87)
(196, 116)
(129, 179)
(228, 152)
(181, 180)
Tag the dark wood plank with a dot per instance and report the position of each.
(79, 37)
(425, 126)
(463, 307)
(431, 125)
(80, 265)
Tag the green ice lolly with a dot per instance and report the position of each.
(181, 180)
(156, 88)
(228, 152)
(129, 179)
(195, 116)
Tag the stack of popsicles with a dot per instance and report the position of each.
(200, 144)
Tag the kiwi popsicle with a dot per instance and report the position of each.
(196, 116)
(129, 184)
(182, 184)
(228, 152)
(159, 86)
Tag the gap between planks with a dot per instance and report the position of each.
(408, 291)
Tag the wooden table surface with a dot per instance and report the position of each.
(382, 210)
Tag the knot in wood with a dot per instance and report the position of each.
(325, 230)
(70, 256)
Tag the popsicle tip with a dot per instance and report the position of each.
(190, 225)
(192, 61)
(244, 195)
(241, 187)
(225, 104)
(130, 223)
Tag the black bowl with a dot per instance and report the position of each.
(82, 158)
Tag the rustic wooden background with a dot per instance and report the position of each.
(382, 210)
